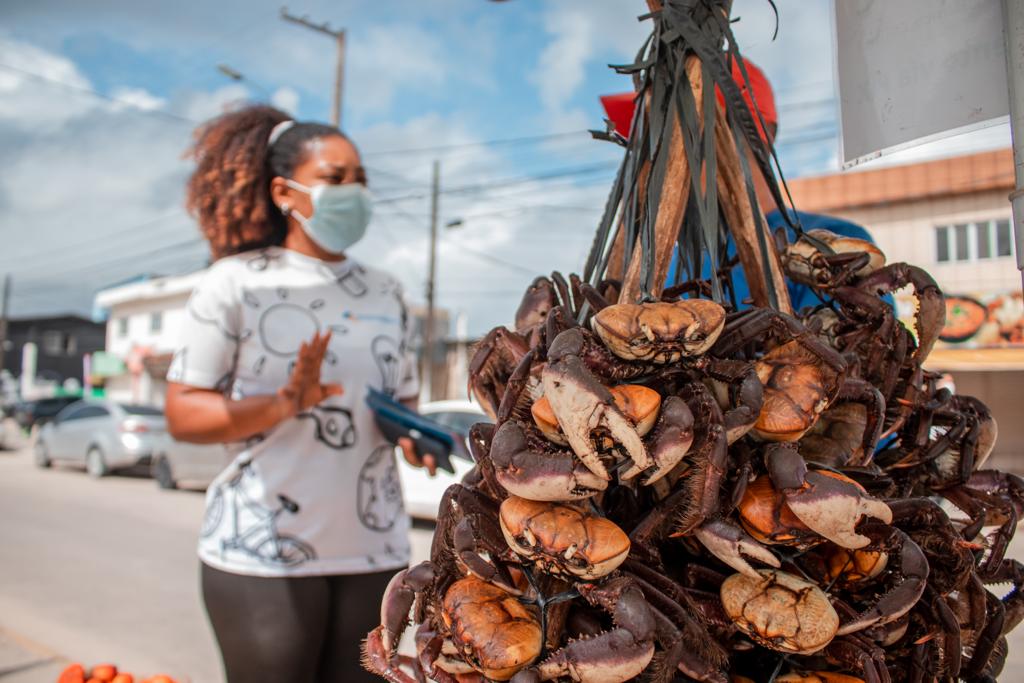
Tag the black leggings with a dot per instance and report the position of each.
(292, 630)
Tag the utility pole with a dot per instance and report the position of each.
(3, 317)
(339, 73)
(428, 332)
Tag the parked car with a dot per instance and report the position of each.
(194, 465)
(423, 492)
(102, 435)
(29, 414)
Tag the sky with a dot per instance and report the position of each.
(98, 102)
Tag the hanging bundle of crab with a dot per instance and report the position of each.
(682, 486)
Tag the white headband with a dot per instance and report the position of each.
(279, 130)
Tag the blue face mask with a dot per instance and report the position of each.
(340, 214)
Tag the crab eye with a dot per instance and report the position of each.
(522, 541)
(578, 562)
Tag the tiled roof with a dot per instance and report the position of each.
(929, 179)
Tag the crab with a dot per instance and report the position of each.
(801, 375)
(794, 504)
(563, 539)
(806, 263)
(494, 360)
(660, 332)
(481, 628)
(780, 611)
(856, 568)
(609, 656)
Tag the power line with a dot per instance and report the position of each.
(482, 143)
(97, 240)
(96, 93)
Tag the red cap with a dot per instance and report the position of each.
(619, 108)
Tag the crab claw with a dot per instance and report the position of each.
(581, 405)
(671, 440)
(533, 469)
(397, 601)
(376, 660)
(830, 504)
(729, 544)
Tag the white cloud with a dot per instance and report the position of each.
(137, 98)
(27, 80)
(286, 99)
(580, 32)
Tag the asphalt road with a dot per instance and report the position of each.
(98, 571)
(105, 570)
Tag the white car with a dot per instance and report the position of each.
(423, 492)
(190, 465)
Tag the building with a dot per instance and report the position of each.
(143, 322)
(143, 319)
(951, 217)
(61, 342)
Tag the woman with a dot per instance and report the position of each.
(280, 342)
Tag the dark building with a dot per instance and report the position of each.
(61, 342)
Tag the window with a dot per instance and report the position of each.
(942, 244)
(156, 322)
(53, 342)
(1003, 238)
(122, 327)
(973, 241)
(960, 239)
(72, 344)
(133, 409)
(983, 240)
(91, 411)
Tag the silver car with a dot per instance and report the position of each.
(102, 435)
(188, 464)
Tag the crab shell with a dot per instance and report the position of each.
(765, 516)
(638, 403)
(796, 391)
(781, 611)
(818, 677)
(563, 539)
(661, 332)
(493, 632)
(853, 566)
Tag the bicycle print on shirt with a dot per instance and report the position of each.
(253, 525)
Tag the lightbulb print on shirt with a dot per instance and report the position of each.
(334, 426)
(379, 496)
(284, 325)
(387, 355)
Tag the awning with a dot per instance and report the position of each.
(975, 360)
(106, 365)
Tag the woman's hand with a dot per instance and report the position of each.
(428, 460)
(304, 389)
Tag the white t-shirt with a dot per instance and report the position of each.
(318, 493)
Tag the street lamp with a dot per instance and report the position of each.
(239, 77)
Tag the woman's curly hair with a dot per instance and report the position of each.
(229, 191)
